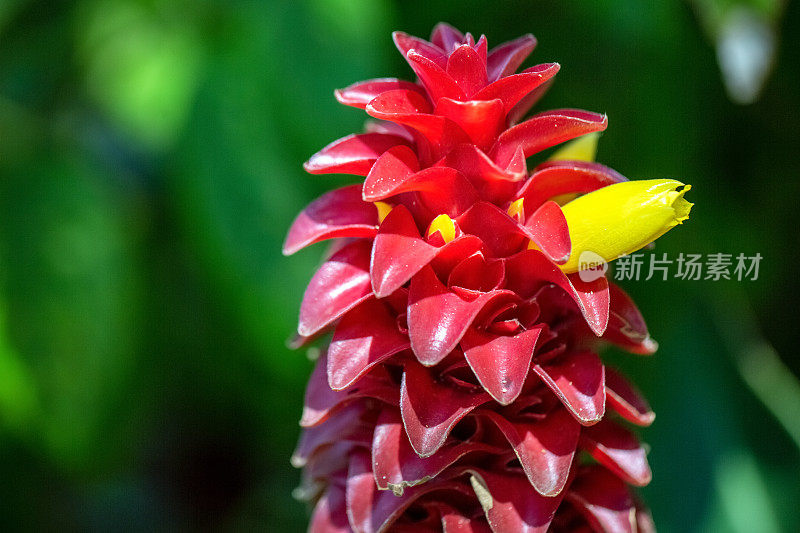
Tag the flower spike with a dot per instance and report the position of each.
(462, 378)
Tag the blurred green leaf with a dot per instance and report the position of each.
(19, 401)
(69, 287)
(141, 64)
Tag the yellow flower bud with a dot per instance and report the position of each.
(619, 219)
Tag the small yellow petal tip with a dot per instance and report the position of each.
(619, 219)
(584, 148)
(517, 210)
(383, 210)
(445, 226)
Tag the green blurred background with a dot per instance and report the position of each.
(150, 164)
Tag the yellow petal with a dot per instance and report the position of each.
(622, 218)
(584, 148)
(383, 210)
(517, 210)
(445, 226)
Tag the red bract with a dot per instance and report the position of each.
(462, 380)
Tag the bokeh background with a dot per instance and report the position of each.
(150, 164)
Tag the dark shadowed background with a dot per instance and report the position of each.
(150, 164)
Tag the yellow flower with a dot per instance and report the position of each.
(619, 219)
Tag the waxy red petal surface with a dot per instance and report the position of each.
(545, 130)
(528, 271)
(338, 213)
(511, 89)
(373, 511)
(438, 83)
(618, 450)
(467, 69)
(494, 184)
(604, 500)
(353, 154)
(341, 283)
(438, 317)
(547, 227)
(398, 252)
(388, 172)
(430, 409)
(545, 448)
(500, 234)
(626, 326)
(515, 507)
(354, 425)
(405, 43)
(395, 463)
(412, 110)
(329, 514)
(564, 177)
(578, 379)
(507, 57)
(626, 400)
(321, 400)
(361, 93)
(480, 120)
(364, 337)
(500, 363)
(446, 36)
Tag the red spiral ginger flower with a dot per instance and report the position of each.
(462, 378)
